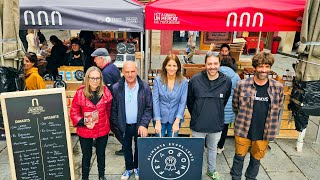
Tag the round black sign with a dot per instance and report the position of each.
(59, 84)
(121, 48)
(48, 77)
(131, 48)
(79, 75)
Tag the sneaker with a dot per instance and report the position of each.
(119, 153)
(219, 151)
(126, 175)
(136, 173)
(214, 175)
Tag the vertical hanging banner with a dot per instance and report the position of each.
(37, 133)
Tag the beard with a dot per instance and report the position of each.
(262, 75)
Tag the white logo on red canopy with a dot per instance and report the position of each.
(248, 18)
(165, 18)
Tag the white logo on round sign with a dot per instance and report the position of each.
(170, 163)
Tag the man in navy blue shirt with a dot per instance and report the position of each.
(111, 75)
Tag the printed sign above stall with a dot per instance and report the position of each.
(111, 15)
(222, 15)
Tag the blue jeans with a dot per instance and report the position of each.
(212, 140)
(166, 129)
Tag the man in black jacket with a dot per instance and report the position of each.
(131, 111)
(208, 93)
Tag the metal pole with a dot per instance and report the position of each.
(142, 53)
(258, 48)
(146, 60)
(318, 134)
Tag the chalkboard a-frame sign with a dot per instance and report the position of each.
(37, 132)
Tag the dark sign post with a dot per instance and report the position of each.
(170, 158)
(37, 133)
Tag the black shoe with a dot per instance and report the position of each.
(190, 62)
(119, 153)
(102, 178)
(184, 59)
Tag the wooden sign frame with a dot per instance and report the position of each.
(205, 39)
(9, 95)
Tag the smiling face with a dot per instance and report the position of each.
(212, 66)
(171, 68)
(262, 71)
(27, 63)
(75, 47)
(224, 51)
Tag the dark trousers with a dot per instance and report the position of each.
(130, 159)
(117, 133)
(223, 138)
(257, 151)
(86, 148)
(237, 166)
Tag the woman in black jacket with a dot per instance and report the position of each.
(76, 57)
(58, 52)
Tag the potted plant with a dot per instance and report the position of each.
(275, 44)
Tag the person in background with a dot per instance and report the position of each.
(58, 52)
(208, 94)
(257, 102)
(33, 80)
(32, 40)
(132, 112)
(76, 57)
(23, 37)
(42, 40)
(226, 68)
(191, 45)
(170, 92)
(111, 75)
(86, 39)
(224, 55)
(90, 113)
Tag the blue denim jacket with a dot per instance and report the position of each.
(167, 106)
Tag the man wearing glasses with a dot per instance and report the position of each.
(208, 93)
(132, 112)
(111, 75)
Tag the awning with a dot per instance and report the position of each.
(309, 48)
(222, 15)
(94, 15)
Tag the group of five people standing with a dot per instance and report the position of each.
(131, 105)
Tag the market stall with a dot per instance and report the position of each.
(273, 15)
(97, 15)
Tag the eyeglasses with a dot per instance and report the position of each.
(93, 79)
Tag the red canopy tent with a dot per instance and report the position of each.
(225, 15)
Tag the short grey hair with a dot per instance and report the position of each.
(106, 59)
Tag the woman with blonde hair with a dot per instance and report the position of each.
(90, 113)
(33, 41)
(170, 91)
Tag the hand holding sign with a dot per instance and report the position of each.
(91, 118)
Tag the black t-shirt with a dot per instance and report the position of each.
(260, 112)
